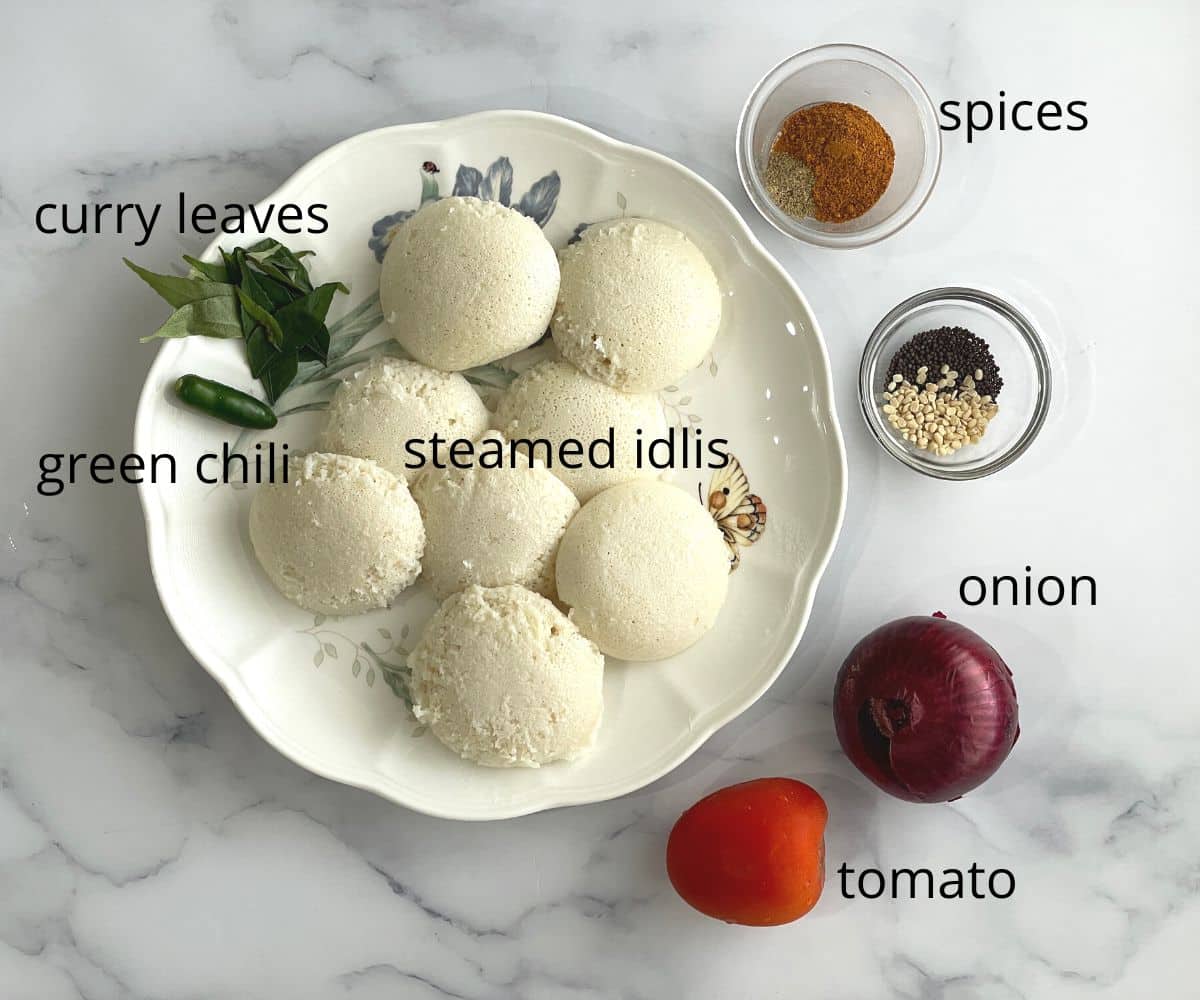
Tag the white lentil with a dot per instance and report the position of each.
(942, 421)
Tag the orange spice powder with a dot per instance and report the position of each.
(849, 153)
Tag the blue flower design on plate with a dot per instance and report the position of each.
(493, 184)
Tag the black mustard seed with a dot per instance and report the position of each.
(956, 346)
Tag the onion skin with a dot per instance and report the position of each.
(926, 709)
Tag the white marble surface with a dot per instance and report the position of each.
(152, 846)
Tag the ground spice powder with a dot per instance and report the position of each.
(847, 150)
(789, 182)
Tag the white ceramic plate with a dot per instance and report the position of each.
(322, 691)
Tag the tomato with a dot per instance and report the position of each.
(752, 853)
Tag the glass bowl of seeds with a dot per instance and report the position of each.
(839, 146)
(955, 383)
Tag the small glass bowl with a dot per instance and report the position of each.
(855, 75)
(1020, 355)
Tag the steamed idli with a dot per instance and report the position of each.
(644, 570)
(555, 401)
(466, 282)
(504, 679)
(343, 535)
(493, 526)
(381, 407)
(638, 304)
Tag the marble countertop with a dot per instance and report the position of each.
(151, 846)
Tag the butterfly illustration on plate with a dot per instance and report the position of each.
(740, 514)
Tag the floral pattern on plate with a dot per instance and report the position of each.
(494, 184)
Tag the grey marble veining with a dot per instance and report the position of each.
(151, 846)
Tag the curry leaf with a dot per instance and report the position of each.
(262, 293)
(321, 298)
(213, 272)
(268, 246)
(278, 375)
(299, 328)
(260, 315)
(259, 352)
(179, 291)
(233, 267)
(250, 285)
(215, 317)
(318, 348)
(265, 290)
(275, 259)
(298, 282)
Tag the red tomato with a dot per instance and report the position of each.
(752, 853)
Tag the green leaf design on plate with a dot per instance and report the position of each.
(345, 333)
(303, 408)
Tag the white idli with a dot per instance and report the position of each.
(343, 535)
(644, 570)
(503, 678)
(493, 526)
(466, 281)
(390, 402)
(638, 304)
(555, 401)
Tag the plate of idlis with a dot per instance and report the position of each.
(555, 508)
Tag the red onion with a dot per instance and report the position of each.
(926, 709)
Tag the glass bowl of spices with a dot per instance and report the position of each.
(955, 383)
(839, 146)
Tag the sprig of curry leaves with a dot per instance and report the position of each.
(262, 294)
